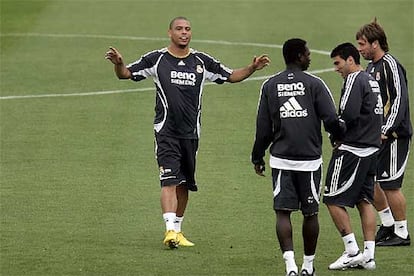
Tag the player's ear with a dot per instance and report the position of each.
(350, 60)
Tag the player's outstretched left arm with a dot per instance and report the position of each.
(258, 63)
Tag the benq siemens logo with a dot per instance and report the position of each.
(183, 78)
(292, 109)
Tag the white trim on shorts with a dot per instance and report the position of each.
(394, 163)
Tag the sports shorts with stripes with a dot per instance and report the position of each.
(176, 160)
(297, 190)
(349, 179)
(392, 161)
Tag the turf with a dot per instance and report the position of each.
(79, 190)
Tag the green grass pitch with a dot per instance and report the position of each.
(79, 192)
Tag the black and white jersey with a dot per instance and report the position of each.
(291, 107)
(179, 86)
(392, 79)
(361, 109)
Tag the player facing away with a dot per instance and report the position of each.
(396, 133)
(179, 73)
(292, 106)
(351, 172)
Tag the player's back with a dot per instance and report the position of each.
(298, 101)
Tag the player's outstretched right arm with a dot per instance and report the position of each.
(119, 67)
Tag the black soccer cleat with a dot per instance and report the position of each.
(395, 240)
(384, 232)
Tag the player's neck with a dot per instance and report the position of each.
(356, 68)
(178, 52)
(293, 66)
(378, 55)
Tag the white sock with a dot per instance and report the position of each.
(169, 220)
(289, 257)
(308, 263)
(350, 243)
(177, 223)
(401, 228)
(369, 250)
(386, 217)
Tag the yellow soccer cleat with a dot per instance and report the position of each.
(170, 239)
(182, 240)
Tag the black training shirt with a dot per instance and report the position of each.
(179, 86)
(292, 105)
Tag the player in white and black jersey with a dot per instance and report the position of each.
(179, 74)
(351, 173)
(292, 106)
(396, 133)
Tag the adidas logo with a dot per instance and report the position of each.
(292, 109)
(181, 63)
(384, 174)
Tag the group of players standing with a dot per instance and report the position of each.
(370, 134)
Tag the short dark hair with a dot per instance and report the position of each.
(373, 31)
(346, 50)
(292, 48)
(177, 18)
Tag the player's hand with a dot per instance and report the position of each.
(114, 56)
(259, 169)
(260, 62)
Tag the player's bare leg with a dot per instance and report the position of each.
(284, 235)
(310, 233)
(397, 202)
(182, 197)
(398, 206)
(169, 205)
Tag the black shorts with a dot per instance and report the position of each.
(297, 190)
(349, 179)
(176, 160)
(392, 161)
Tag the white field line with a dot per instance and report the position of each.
(94, 93)
(125, 37)
(106, 92)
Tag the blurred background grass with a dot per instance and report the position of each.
(79, 187)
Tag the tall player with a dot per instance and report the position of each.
(351, 173)
(179, 73)
(396, 135)
(292, 106)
